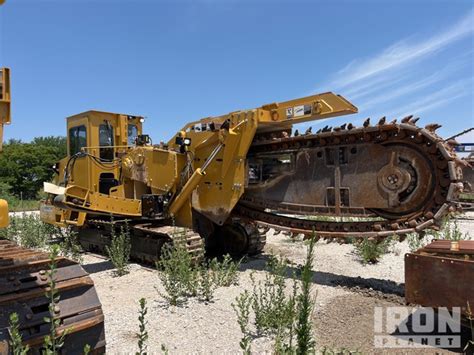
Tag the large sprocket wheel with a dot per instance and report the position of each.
(408, 180)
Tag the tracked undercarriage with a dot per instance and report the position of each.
(23, 284)
(146, 240)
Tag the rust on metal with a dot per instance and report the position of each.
(23, 284)
(398, 177)
(436, 276)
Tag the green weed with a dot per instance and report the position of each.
(305, 306)
(370, 250)
(55, 340)
(119, 250)
(242, 309)
(86, 350)
(225, 273)
(69, 243)
(285, 317)
(452, 232)
(182, 277)
(416, 242)
(16, 341)
(273, 310)
(142, 334)
(29, 231)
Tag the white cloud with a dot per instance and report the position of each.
(411, 87)
(403, 53)
(435, 99)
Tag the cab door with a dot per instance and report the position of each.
(78, 139)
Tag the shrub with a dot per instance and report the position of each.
(452, 232)
(182, 277)
(177, 274)
(16, 341)
(119, 250)
(242, 309)
(305, 306)
(142, 334)
(225, 273)
(273, 310)
(415, 242)
(29, 231)
(69, 243)
(370, 250)
(285, 317)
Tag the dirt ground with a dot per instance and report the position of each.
(346, 292)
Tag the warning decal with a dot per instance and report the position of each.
(298, 111)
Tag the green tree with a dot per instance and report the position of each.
(25, 166)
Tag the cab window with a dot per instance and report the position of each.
(106, 141)
(77, 139)
(132, 134)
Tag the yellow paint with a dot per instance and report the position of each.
(3, 214)
(168, 171)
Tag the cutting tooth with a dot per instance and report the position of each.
(367, 122)
(319, 131)
(393, 121)
(452, 142)
(297, 133)
(413, 121)
(406, 119)
(382, 121)
(343, 127)
(432, 127)
(308, 131)
(337, 129)
(350, 126)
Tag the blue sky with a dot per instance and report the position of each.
(178, 61)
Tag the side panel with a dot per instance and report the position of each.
(224, 181)
(435, 280)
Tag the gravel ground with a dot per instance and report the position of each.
(343, 315)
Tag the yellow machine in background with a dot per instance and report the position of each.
(5, 118)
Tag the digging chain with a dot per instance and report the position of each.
(446, 172)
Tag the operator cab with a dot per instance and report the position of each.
(96, 140)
